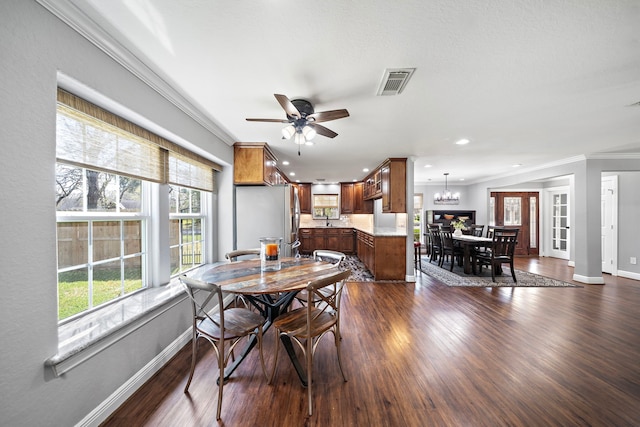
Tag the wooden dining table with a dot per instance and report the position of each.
(270, 292)
(468, 243)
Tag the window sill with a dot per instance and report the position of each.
(81, 339)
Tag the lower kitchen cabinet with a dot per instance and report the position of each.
(331, 238)
(384, 256)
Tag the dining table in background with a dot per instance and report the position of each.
(270, 292)
(469, 243)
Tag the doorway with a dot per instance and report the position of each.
(608, 224)
(521, 210)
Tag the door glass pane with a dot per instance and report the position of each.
(492, 210)
(533, 224)
(512, 211)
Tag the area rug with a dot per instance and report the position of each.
(359, 273)
(459, 279)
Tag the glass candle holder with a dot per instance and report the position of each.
(270, 253)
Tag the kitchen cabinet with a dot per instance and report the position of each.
(306, 240)
(384, 256)
(346, 198)
(394, 185)
(352, 199)
(304, 195)
(360, 205)
(255, 164)
(347, 240)
(389, 182)
(330, 238)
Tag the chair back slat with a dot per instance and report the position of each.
(504, 241)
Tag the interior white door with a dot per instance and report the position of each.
(559, 228)
(609, 218)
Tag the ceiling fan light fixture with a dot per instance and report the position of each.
(308, 132)
(288, 132)
(299, 138)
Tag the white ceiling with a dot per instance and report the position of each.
(528, 82)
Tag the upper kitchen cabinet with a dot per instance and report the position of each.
(304, 195)
(346, 198)
(394, 185)
(255, 164)
(352, 199)
(389, 182)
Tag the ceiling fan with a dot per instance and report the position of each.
(303, 121)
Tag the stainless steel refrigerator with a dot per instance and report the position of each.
(262, 211)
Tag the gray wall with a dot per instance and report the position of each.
(629, 220)
(35, 46)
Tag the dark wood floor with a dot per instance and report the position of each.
(424, 354)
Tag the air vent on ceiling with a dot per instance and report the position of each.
(394, 81)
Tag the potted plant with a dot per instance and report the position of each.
(459, 225)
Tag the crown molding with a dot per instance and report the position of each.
(67, 12)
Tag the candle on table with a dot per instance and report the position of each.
(271, 249)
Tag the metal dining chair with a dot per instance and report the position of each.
(226, 325)
(307, 325)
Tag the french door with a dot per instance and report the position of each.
(519, 210)
(558, 220)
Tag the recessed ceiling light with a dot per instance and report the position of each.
(286, 163)
(365, 170)
(297, 180)
(427, 166)
(516, 165)
(461, 179)
(462, 141)
(292, 174)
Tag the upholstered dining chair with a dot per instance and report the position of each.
(501, 251)
(307, 325)
(226, 325)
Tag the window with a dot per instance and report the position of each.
(108, 170)
(186, 228)
(325, 206)
(100, 229)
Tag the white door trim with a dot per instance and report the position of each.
(609, 224)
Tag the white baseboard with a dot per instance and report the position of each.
(629, 274)
(409, 278)
(589, 280)
(126, 390)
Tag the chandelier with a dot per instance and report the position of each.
(446, 197)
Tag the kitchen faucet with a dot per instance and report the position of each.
(327, 220)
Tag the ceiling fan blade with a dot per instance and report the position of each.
(321, 130)
(288, 106)
(268, 120)
(325, 116)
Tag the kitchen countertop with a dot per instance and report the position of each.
(374, 231)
